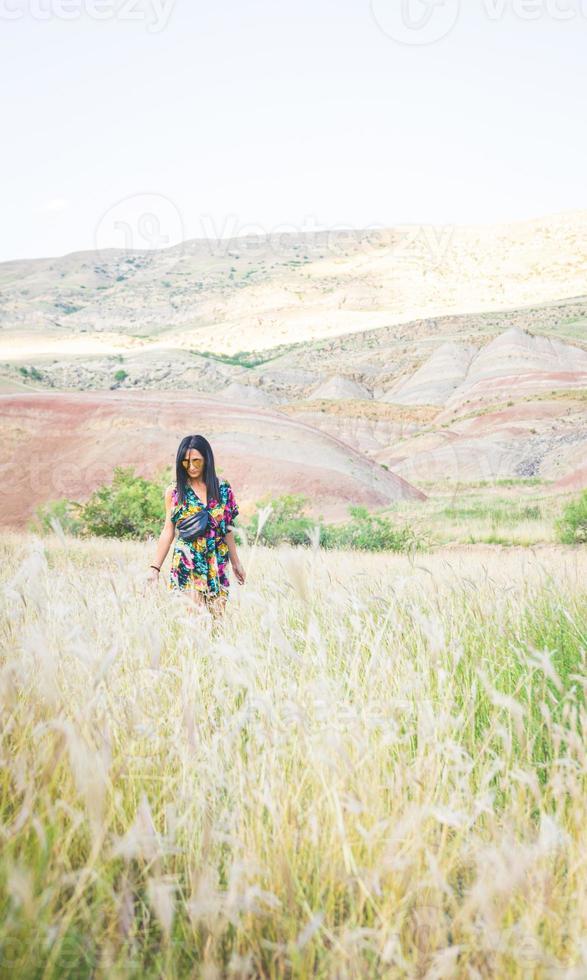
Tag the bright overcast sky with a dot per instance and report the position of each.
(141, 122)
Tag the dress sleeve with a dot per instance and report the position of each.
(231, 509)
(174, 504)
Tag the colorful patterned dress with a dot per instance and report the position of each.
(202, 564)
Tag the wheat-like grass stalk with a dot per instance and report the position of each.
(376, 767)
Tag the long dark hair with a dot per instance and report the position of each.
(203, 447)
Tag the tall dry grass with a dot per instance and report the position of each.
(374, 768)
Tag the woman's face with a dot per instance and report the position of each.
(195, 464)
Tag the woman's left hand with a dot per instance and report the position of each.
(239, 572)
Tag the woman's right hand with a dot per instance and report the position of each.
(153, 576)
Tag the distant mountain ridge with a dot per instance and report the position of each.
(257, 292)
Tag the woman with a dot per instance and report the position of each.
(199, 567)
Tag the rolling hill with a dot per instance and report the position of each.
(337, 361)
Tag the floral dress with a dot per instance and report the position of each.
(201, 564)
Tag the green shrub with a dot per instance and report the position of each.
(246, 359)
(31, 373)
(68, 308)
(371, 532)
(286, 522)
(133, 507)
(129, 507)
(572, 526)
(120, 375)
(67, 512)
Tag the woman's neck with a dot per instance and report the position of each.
(195, 484)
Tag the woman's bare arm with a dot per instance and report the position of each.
(167, 534)
(231, 543)
(234, 558)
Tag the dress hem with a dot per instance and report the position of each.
(193, 588)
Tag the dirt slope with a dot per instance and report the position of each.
(65, 445)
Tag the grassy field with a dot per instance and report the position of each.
(376, 766)
(510, 513)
